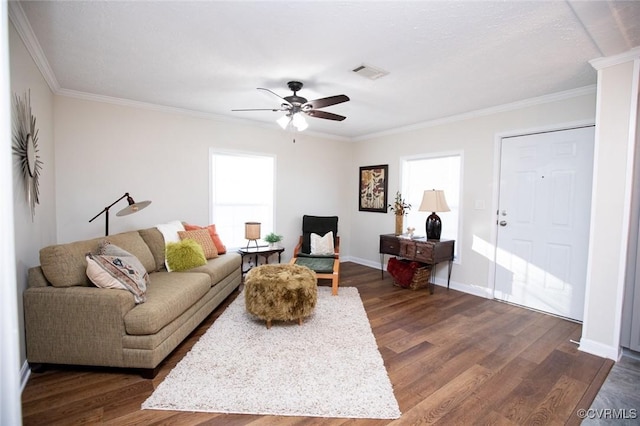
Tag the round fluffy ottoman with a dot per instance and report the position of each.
(280, 292)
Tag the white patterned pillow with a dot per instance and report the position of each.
(113, 267)
(322, 245)
(170, 233)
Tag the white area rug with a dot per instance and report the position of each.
(328, 367)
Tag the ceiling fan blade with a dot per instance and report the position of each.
(324, 114)
(262, 109)
(274, 94)
(325, 102)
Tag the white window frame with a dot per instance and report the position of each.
(233, 234)
(417, 218)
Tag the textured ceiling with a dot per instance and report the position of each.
(443, 57)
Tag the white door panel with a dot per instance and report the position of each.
(543, 220)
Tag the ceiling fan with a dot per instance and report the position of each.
(294, 104)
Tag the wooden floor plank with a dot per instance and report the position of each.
(558, 404)
(446, 398)
(549, 341)
(479, 408)
(452, 358)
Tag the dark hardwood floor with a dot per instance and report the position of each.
(452, 358)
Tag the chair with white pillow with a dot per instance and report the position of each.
(319, 248)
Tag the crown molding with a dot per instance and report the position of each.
(608, 61)
(182, 111)
(23, 27)
(137, 104)
(554, 97)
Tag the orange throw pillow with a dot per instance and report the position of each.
(214, 235)
(202, 237)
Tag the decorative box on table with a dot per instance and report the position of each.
(409, 274)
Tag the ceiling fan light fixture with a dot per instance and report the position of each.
(299, 122)
(284, 121)
(295, 106)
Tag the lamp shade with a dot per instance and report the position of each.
(434, 201)
(252, 230)
(299, 122)
(133, 207)
(284, 121)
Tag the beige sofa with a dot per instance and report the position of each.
(70, 321)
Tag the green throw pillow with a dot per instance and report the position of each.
(185, 255)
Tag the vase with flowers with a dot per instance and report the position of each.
(399, 208)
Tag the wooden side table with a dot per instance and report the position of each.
(428, 252)
(263, 251)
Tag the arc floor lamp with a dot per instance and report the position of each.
(133, 207)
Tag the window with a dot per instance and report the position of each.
(242, 190)
(421, 173)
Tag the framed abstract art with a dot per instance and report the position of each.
(373, 188)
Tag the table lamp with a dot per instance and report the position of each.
(433, 201)
(252, 232)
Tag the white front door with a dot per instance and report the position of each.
(543, 220)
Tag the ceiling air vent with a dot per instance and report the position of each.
(372, 73)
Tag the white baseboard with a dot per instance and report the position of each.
(599, 349)
(25, 372)
(475, 290)
(364, 262)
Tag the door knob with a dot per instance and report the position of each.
(503, 223)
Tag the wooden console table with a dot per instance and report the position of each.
(429, 252)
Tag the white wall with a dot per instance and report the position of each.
(32, 235)
(618, 85)
(10, 408)
(476, 138)
(104, 150)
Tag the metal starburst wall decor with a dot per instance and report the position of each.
(25, 147)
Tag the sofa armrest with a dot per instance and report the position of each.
(75, 325)
(36, 278)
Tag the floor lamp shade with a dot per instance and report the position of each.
(133, 207)
(433, 201)
(252, 232)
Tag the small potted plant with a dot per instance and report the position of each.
(273, 239)
(400, 208)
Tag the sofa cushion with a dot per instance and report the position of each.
(168, 296)
(64, 265)
(154, 239)
(219, 267)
